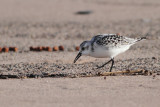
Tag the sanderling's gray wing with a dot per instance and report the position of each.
(113, 40)
(103, 40)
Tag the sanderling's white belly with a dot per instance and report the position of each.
(111, 52)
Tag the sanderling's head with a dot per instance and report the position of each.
(84, 50)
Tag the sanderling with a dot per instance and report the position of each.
(106, 45)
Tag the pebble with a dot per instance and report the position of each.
(5, 49)
(49, 49)
(61, 48)
(14, 49)
(0, 49)
(39, 48)
(77, 48)
(31, 48)
(55, 48)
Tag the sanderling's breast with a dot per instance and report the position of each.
(103, 52)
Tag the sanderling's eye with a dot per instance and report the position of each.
(82, 48)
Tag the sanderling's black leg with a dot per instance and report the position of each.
(111, 65)
(104, 64)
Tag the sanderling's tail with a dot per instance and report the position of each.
(142, 38)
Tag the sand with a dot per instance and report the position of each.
(53, 23)
(133, 91)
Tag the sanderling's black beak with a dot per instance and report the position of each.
(77, 57)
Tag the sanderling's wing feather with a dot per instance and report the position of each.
(103, 40)
(110, 40)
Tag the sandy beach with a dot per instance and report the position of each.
(41, 79)
(133, 91)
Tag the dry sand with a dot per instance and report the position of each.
(49, 23)
(132, 91)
